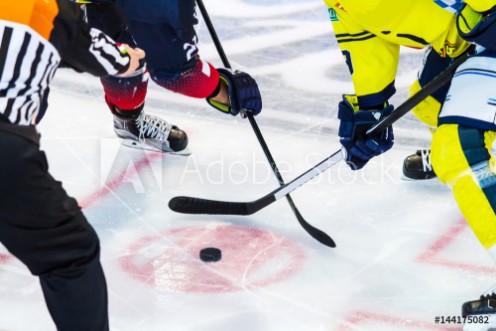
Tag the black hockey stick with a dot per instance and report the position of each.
(190, 205)
(435, 84)
(318, 234)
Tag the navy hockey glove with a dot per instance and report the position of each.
(243, 93)
(357, 148)
(478, 28)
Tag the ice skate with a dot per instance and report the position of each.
(418, 166)
(480, 315)
(150, 132)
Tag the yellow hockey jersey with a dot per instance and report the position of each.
(370, 33)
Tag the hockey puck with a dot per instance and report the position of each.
(210, 254)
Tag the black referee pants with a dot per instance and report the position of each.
(45, 229)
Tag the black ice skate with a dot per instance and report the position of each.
(140, 130)
(418, 166)
(480, 315)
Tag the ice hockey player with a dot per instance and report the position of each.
(165, 31)
(369, 33)
(39, 223)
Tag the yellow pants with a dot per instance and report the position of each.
(461, 158)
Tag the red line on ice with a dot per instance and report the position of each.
(102, 192)
(430, 255)
(251, 258)
(117, 181)
(4, 258)
(443, 241)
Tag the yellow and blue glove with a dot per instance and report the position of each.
(358, 148)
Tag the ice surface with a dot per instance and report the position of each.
(404, 253)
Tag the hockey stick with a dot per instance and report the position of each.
(317, 234)
(190, 205)
(435, 84)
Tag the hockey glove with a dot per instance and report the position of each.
(243, 93)
(478, 28)
(358, 148)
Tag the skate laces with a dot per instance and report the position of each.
(426, 160)
(152, 127)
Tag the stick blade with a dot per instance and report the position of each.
(317, 234)
(190, 205)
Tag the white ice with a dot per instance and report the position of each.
(404, 253)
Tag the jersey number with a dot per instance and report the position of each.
(347, 58)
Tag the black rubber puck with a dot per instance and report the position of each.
(210, 254)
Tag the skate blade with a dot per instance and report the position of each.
(137, 145)
(408, 179)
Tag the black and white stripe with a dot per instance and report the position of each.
(27, 65)
(105, 52)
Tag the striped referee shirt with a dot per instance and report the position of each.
(38, 36)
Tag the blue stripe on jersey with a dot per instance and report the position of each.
(450, 5)
(480, 73)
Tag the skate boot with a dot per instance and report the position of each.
(418, 166)
(480, 315)
(141, 130)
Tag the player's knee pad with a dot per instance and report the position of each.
(198, 81)
(126, 93)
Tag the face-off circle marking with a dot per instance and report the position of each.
(251, 258)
